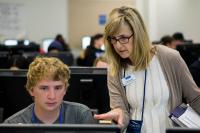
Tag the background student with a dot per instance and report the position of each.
(59, 45)
(101, 62)
(93, 51)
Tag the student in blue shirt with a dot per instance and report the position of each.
(47, 82)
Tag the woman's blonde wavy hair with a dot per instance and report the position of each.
(47, 68)
(141, 54)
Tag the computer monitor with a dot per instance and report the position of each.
(58, 128)
(14, 42)
(87, 86)
(189, 52)
(21, 49)
(26, 42)
(182, 130)
(10, 42)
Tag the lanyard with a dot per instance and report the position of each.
(144, 93)
(35, 120)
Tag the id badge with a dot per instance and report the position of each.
(128, 79)
(134, 126)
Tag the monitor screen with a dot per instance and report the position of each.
(10, 42)
(182, 130)
(14, 42)
(58, 128)
(26, 42)
(87, 86)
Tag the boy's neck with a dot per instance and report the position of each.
(47, 117)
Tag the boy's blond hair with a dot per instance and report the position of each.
(47, 68)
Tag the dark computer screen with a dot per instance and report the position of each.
(87, 86)
(58, 128)
(183, 130)
(189, 52)
(20, 49)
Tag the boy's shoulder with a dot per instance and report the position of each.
(75, 106)
(23, 116)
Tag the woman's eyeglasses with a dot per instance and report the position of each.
(121, 40)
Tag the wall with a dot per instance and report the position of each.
(179, 15)
(167, 17)
(40, 19)
(84, 15)
(45, 18)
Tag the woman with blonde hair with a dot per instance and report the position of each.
(145, 82)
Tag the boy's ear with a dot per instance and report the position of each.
(65, 90)
(30, 91)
